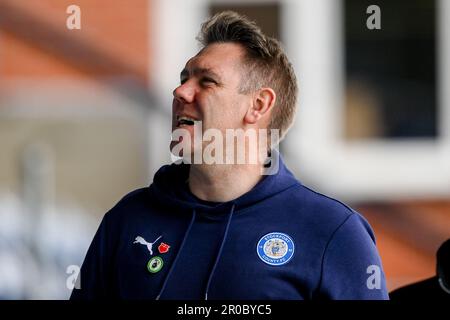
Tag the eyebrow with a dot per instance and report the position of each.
(197, 71)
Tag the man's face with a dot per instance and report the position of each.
(209, 91)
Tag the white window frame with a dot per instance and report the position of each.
(379, 169)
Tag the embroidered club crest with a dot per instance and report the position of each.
(275, 248)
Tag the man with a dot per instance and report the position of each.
(214, 230)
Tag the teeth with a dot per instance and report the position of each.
(185, 118)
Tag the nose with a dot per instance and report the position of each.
(184, 93)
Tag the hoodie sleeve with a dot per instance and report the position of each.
(95, 272)
(351, 266)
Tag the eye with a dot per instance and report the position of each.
(208, 80)
(183, 80)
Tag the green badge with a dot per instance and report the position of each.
(155, 264)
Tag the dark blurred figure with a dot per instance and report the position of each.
(436, 288)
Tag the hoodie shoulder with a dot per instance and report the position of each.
(128, 204)
(133, 195)
(322, 210)
(322, 204)
(347, 246)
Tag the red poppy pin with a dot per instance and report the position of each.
(163, 247)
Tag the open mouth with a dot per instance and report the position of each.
(185, 121)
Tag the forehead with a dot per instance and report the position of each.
(221, 58)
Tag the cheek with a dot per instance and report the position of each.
(213, 110)
(234, 115)
(223, 111)
(239, 109)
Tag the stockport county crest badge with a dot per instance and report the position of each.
(275, 248)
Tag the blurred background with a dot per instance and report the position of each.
(85, 118)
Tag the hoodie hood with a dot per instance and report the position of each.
(169, 187)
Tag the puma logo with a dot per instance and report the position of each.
(149, 245)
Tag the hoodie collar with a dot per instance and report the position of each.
(168, 188)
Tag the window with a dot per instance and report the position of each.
(390, 73)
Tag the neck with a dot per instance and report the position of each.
(222, 183)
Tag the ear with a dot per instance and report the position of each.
(263, 101)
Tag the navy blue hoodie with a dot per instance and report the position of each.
(280, 240)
